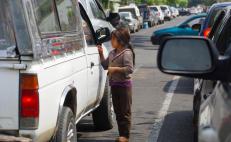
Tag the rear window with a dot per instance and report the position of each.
(163, 8)
(7, 38)
(154, 8)
(123, 14)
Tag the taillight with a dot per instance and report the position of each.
(207, 32)
(29, 110)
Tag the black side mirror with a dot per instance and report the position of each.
(196, 27)
(187, 56)
(102, 35)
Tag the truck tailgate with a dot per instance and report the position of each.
(9, 96)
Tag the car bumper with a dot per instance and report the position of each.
(155, 40)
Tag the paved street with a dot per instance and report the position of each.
(162, 104)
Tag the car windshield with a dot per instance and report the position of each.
(7, 36)
(163, 8)
(154, 8)
(124, 14)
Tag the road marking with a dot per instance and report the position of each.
(154, 134)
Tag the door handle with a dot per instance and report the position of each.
(92, 64)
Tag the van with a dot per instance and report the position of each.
(135, 12)
(50, 70)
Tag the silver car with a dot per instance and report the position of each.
(132, 22)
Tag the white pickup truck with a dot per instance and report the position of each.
(50, 70)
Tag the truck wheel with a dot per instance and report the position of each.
(103, 115)
(66, 129)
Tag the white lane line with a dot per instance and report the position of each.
(154, 134)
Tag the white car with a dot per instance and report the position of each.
(132, 22)
(50, 70)
(158, 12)
(135, 12)
(167, 12)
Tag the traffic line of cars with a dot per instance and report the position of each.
(206, 57)
(135, 16)
(50, 70)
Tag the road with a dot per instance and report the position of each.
(162, 104)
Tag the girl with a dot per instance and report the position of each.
(120, 66)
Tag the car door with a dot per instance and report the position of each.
(93, 61)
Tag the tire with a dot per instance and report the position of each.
(66, 125)
(103, 115)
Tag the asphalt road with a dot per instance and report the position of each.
(162, 104)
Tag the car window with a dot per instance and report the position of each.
(213, 16)
(224, 40)
(66, 13)
(88, 33)
(196, 21)
(7, 38)
(97, 12)
(216, 26)
(45, 16)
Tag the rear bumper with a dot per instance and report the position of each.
(155, 40)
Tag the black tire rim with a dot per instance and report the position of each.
(71, 132)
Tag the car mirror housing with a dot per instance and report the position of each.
(102, 35)
(190, 56)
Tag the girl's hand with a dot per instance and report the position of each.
(111, 70)
(100, 49)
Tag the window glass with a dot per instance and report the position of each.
(7, 38)
(45, 16)
(195, 21)
(88, 33)
(224, 41)
(97, 12)
(67, 16)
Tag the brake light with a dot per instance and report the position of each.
(207, 32)
(29, 112)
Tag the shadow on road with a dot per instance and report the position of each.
(185, 86)
(177, 126)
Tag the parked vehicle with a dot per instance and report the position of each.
(174, 12)
(158, 12)
(210, 19)
(213, 108)
(193, 10)
(135, 12)
(167, 13)
(148, 15)
(189, 27)
(183, 12)
(132, 22)
(50, 71)
(218, 33)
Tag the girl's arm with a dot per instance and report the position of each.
(104, 62)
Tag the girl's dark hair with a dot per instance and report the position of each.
(123, 37)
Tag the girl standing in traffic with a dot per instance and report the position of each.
(120, 66)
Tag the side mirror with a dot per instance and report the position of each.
(196, 27)
(187, 56)
(102, 35)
